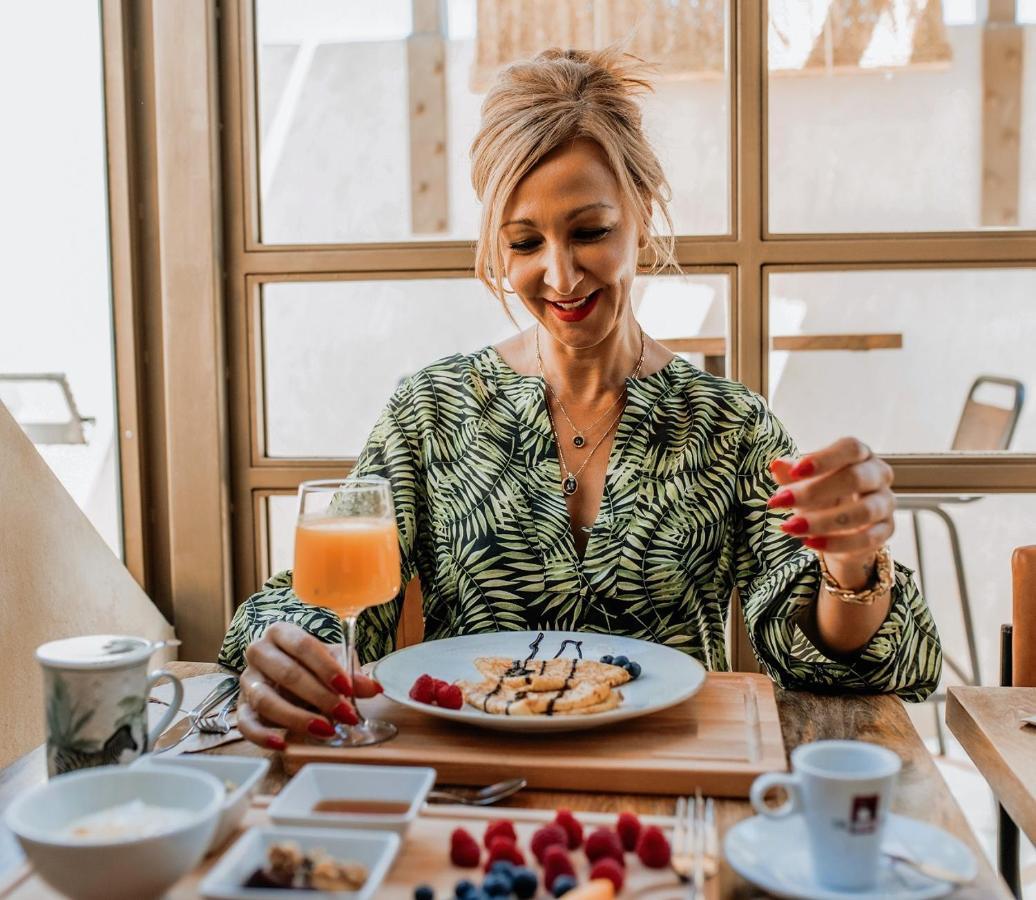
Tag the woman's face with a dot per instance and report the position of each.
(570, 245)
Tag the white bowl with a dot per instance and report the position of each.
(137, 868)
(334, 781)
(244, 771)
(375, 850)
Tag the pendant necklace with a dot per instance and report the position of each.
(579, 439)
(570, 483)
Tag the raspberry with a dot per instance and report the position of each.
(653, 848)
(449, 697)
(545, 837)
(464, 851)
(501, 828)
(570, 824)
(556, 862)
(423, 691)
(628, 829)
(606, 867)
(604, 842)
(504, 848)
(438, 684)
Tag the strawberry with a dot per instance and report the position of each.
(545, 837)
(604, 842)
(464, 850)
(556, 862)
(653, 849)
(628, 829)
(449, 697)
(502, 847)
(573, 830)
(606, 867)
(423, 691)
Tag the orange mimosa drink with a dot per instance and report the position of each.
(346, 564)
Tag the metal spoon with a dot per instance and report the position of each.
(484, 797)
(931, 870)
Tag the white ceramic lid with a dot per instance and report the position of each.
(95, 651)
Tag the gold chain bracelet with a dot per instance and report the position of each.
(883, 570)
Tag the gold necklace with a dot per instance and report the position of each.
(570, 483)
(578, 438)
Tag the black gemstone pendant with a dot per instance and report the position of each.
(570, 485)
(579, 440)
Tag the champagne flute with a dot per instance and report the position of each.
(347, 559)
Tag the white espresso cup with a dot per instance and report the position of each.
(843, 790)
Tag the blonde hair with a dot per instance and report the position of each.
(558, 96)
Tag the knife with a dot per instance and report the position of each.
(189, 723)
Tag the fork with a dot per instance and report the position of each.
(695, 855)
(219, 722)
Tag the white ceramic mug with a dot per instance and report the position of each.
(95, 690)
(843, 790)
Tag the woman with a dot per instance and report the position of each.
(579, 476)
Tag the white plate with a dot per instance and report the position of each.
(374, 849)
(774, 854)
(667, 675)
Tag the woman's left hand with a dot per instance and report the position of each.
(842, 501)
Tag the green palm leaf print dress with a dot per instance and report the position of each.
(468, 447)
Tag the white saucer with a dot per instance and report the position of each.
(774, 855)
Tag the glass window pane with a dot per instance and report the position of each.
(936, 333)
(55, 308)
(333, 352)
(281, 510)
(876, 118)
(339, 146)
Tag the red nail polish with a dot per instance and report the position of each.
(816, 543)
(774, 465)
(795, 525)
(803, 468)
(378, 689)
(781, 498)
(342, 686)
(344, 713)
(320, 728)
(275, 742)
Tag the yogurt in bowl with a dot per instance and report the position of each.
(110, 833)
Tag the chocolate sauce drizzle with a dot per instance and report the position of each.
(521, 667)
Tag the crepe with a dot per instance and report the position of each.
(549, 674)
(580, 697)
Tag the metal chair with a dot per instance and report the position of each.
(983, 428)
(1017, 669)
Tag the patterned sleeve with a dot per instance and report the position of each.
(778, 581)
(393, 452)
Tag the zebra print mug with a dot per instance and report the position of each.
(95, 690)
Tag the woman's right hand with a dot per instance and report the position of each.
(291, 678)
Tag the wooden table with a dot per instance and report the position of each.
(987, 722)
(804, 717)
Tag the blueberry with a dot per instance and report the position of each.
(423, 892)
(463, 889)
(562, 885)
(607, 659)
(497, 886)
(525, 883)
(633, 668)
(503, 867)
(621, 661)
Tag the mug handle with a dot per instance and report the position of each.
(174, 704)
(763, 783)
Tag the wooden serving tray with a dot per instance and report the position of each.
(719, 740)
(424, 857)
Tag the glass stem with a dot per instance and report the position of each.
(349, 662)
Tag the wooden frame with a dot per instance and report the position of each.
(749, 251)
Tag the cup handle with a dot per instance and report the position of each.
(174, 704)
(763, 783)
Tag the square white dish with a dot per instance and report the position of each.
(375, 850)
(339, 781)
(245, 772)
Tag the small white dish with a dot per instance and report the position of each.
(375, 850)
(244, 772)
(127, 868)
(337, 781)
(774, 855)
(667, 677)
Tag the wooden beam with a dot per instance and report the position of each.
(1002, 63)
(429, 173)
(714, 346)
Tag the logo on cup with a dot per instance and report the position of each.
(863, 818)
